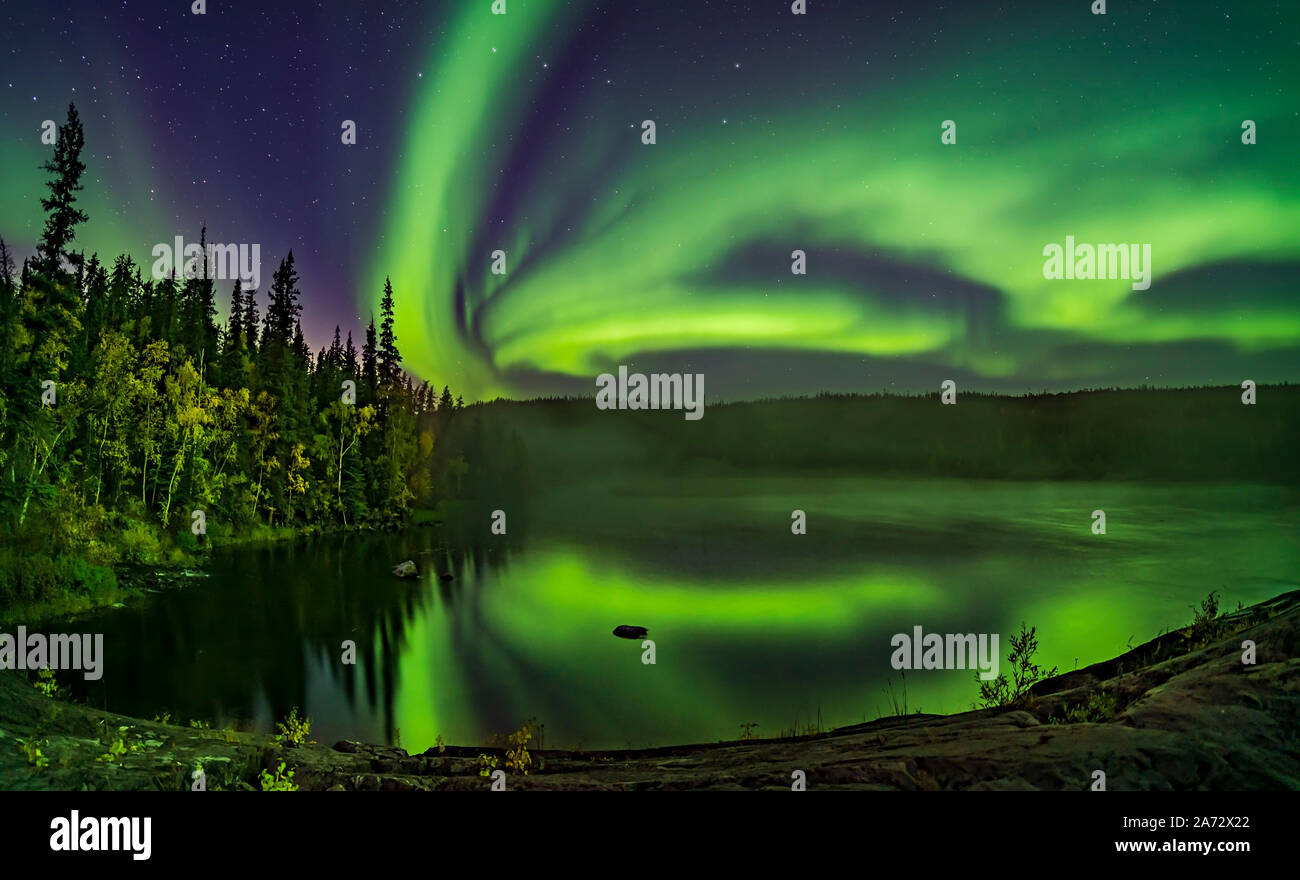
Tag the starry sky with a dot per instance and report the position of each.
(774, 132)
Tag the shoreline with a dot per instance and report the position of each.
(134, 580)
(1182, 711)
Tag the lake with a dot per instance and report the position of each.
(752, 625)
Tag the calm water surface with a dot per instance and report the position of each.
(752, 625)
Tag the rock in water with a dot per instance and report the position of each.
(406, 569)
(630, 632)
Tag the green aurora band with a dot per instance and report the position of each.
(1050, 144)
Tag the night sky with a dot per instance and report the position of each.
(775, 132)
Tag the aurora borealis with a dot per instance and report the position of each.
(775, 132)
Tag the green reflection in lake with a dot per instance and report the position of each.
(751, 624)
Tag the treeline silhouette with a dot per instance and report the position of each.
(1184, 434)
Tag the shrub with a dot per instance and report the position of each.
(140, 543)
(293, 730)
(1206, 622)
(1003, 693)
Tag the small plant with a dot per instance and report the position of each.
(539, 733)
(1099, 708)
(1206, 623)
(31, 750)
(1002, 693)
(116, 750)
(293, 730)
(517, 758)
(486, 764)
(200, 725)
(164, 718)
(897, 700)
(45, 682)
(811, 728)
(747, 731)
(442, 746)
(279, 781)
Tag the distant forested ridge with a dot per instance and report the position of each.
(1130, 434)
(125, 406)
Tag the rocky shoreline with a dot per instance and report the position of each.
(1180, 712)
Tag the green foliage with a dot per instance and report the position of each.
(293, 730)
(31, 750)
(279, 781)
(1002, 692)
(117, 749)
(1207, 623)
(34, 577)
(486, 764)
(141, 543)
(518, 760)
(1098, 708)
(160, 412)
(45, 682)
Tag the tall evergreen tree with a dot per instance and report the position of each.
(122, 283)
(335, 356)
(232, 341)
(62, 217)
(198, 310)
(300, 351)
(250, 322)
(234, 338)
(390, 359)
(282, 308)
(164, 312)
(350, 359)
(368, 368)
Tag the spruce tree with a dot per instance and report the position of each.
(282, 308)
(368, 367)
(350, 359)
(390, 359)
(250, 322)
(62, 216)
